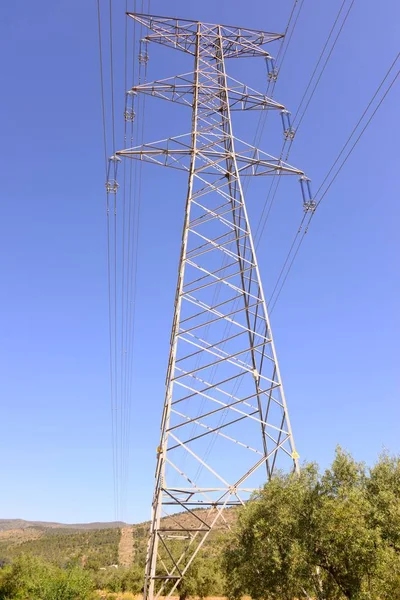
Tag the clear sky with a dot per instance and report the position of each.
(336, 325)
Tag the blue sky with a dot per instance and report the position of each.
(336, 325)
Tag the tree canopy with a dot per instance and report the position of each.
(329, 536)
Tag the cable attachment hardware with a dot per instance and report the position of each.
(143, 53)
(272, 71)
(288, 131)
(129, 115)
(309, 203)
(111, 183)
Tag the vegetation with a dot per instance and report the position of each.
(94, 548)
(326, 536)
(32, 578)
(333, 536)
(203, 578)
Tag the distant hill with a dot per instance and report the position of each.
(6, 524)
(93, 544)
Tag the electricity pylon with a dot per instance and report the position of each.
(225, 426)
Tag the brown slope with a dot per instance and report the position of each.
(7, 524)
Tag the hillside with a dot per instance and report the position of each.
(91, 544)
(7, 524)
(62, 546)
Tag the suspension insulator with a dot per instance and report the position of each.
(288, 131)
(272, 71)
(309, 203)
(143, 54)
(111, 183)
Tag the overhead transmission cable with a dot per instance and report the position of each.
(111, 369)
(124, 277)
(129, 117)
(320, 197)
(273, 191)
(360, 120)
(135, 193)
(114, 283)
(303, 113)
(285, 46)
(330, 34)
(285, 43)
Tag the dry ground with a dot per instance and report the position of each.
(129, 596)
(125, 548)
(17, 536)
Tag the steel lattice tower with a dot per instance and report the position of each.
(223, 383)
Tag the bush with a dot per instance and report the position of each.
(31, 578)
(120, 580)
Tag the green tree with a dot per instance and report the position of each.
(338, 535)
(203, 578)
(266, 557)
(383, 491)
(120, 580)
(34, 579)
(333, 536)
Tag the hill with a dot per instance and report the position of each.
(62, 545)
(91, 544)
(7, 524)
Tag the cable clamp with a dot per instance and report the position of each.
(112, 186)
(129, 115)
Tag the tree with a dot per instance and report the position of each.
(203, 578)
(337, 532)
(332, 536)
(266, 556)
(33, 578)
(383, 491)
(123, 579)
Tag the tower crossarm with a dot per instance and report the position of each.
(181, 34)
(180, 89)
(177, 153)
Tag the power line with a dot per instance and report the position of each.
(302, 115)
(287, 257)
(272, 82)
(280, 64)
(325, 63)
(359, 121)
(319, 60)
(112, 75)
(103, 111)
(111, 370)
(290, 267)
(133, 253)
(125, 358)
(358, 138)
(340, 166)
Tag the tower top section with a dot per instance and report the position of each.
(181, 34)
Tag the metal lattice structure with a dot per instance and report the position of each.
(225, 426)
